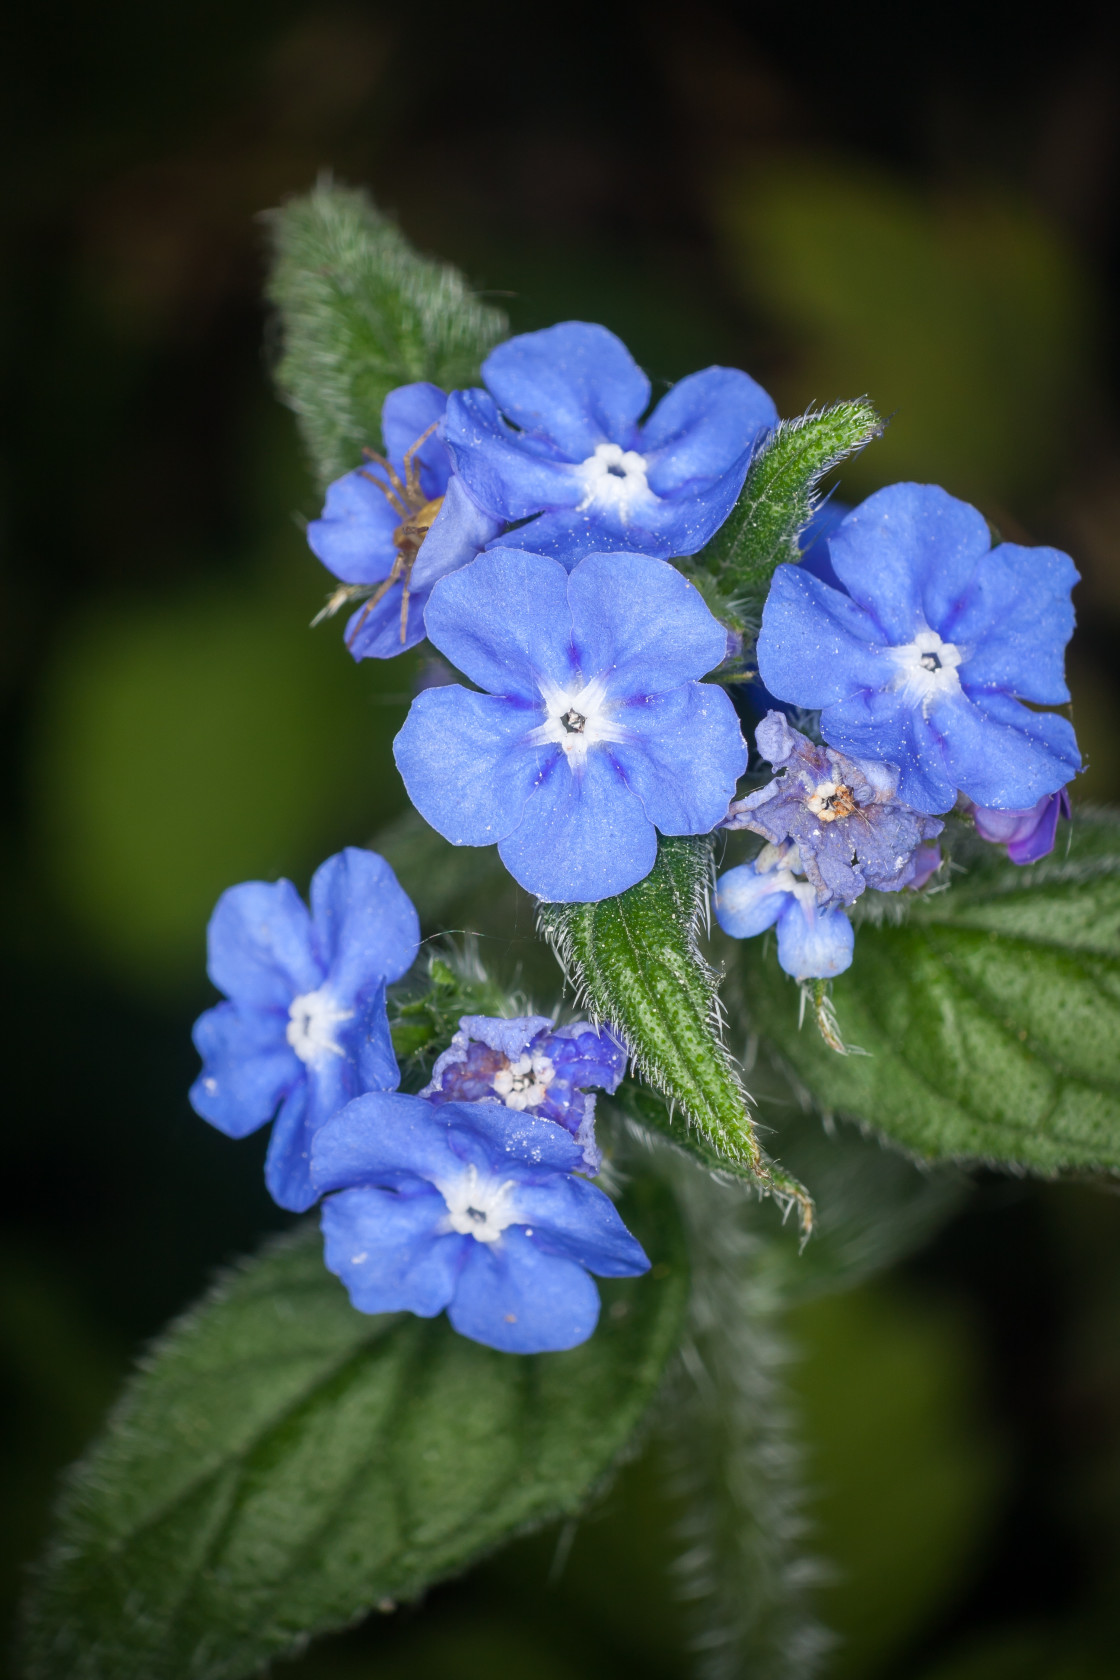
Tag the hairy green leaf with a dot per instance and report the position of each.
(360, 312)
(635, 963)
(282, 1464)
(777, 501)
(990, 1015)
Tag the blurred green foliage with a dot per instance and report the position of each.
(964, 316)
(187, 742)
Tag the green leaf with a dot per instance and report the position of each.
(778, 499)
(360, 313)
(281, 1463)
(423, 1016)
(990, 1016)
(635, 963)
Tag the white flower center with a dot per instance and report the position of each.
(576, 719)
(925, 668)
(313, 1018)
(524, 1084)
(614, 478)
(479, 1207)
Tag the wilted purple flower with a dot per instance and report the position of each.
(529, 1065)
(851, 830)
(1028, 835)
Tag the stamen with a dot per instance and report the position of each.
(573, 721)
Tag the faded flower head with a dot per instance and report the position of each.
(527, 1064)
(851, 830)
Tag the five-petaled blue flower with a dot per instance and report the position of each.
(814, 942)
(556, 439)
(925, 661)
(593, 732)
(470, 1207)
(390, 528)
(528, 1064)
(851, 830)
(305, 1026)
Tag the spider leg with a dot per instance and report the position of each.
(390, 496)
(394, 479)
(394, 575)
(411, 469)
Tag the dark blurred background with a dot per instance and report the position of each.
(924, 206)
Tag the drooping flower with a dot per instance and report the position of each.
(850, 829)
(815, 942)
(593, 732)
(1028, 835)
(392, 527)
(529, 1065)
(925, 661)
(556, 439)
(470, 1207)
(305, 1027)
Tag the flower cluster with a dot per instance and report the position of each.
(528, 528)
(465, 1197)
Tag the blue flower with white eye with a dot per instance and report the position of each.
(305, 1027)
(814, 941)
(472, 1208)
(593, 733)
(529, 1065)
(557, 439)
(850, 829)
(925, 661)
(394, 526)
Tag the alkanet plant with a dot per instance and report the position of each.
(621, 587)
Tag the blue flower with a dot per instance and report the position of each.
(1028, 835)
(924, 662)
(851, 830)
(556, 440)
(391, 528)
(814, 943)
(592, 733)
(528, 1064)
(305, 1028)
(472, 1208)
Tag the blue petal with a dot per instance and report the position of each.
(513, 1297)
(460, 530)
(260, 947)
(383, 1137)
(386, 1249)
(491, 1135)
(583, 836)
(374, 632)
(814, 945)
(908, 554)
(406, 415)
(641, 623)
(354, 536)
(575, 384)
(1014, 622)
(881, 726)
(679, 523)
(1001, 754)
(705, 427)
(465, 763)
(509, 1035)
(507, 474)
(747, 903)
(366, 929)
(816, 646)
(248, 1067)
(684, 757)
(571, 1217)
(504, 621)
